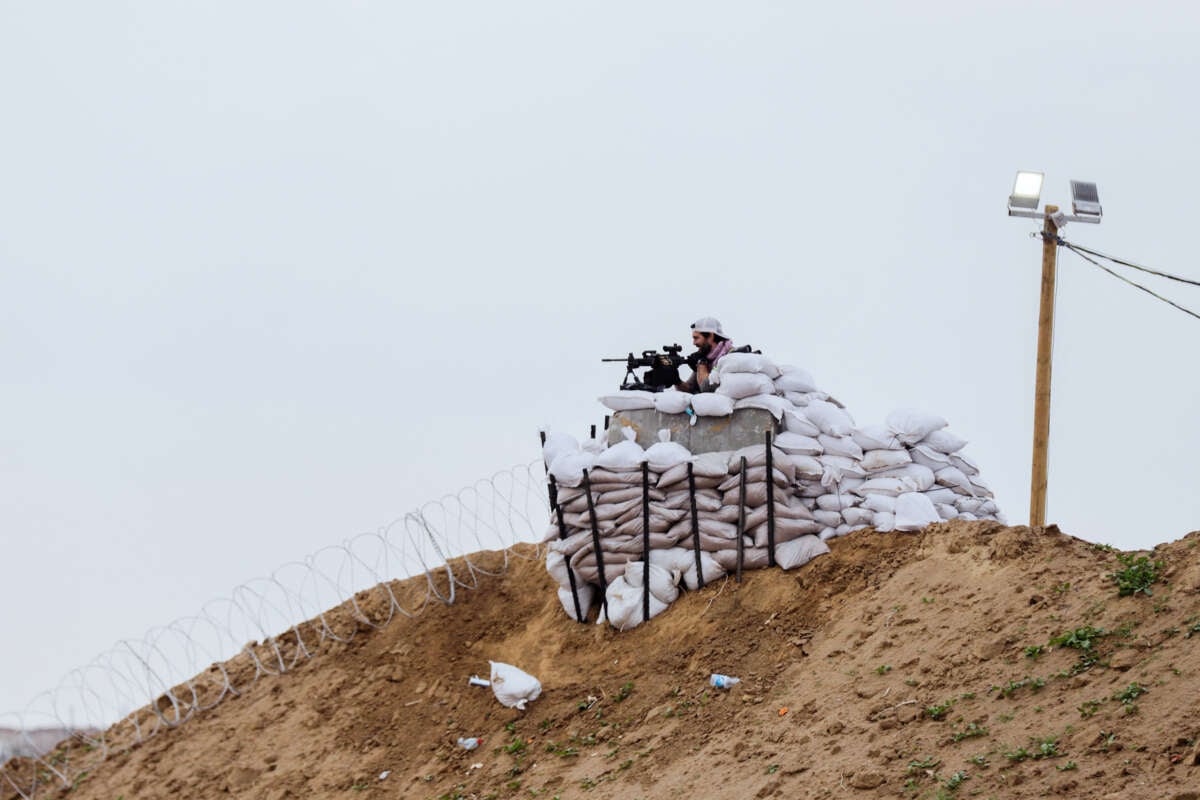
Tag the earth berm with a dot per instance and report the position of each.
(967, 660)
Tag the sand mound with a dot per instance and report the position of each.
(898, 665)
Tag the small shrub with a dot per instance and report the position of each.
(1138, 574)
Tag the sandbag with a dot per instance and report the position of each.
(828, 518)
(672, 401)
(876, 437)
(794, 379)
(625, 455)
(885, 521)
(568, 468)
(920, 477)
(944, 441)
(768, 402)
(838, 501)
(914, 511)
(795, 421)
(892, 487)
(556, 445)
(662, 581)
(858, 517)
(880, 503)
(665, 454)
(912, 426)
(840, 446)
(953, 478)
(747, 362)
(755, 475)
(928, 457)
(798, 444)
(876, 460)
(785, 531)
(631, 400)
(710, 404)
(737, 385)
(586, 593)
(710, 570)
(625, 609)
(832, 420)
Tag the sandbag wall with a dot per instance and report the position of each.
(827, 478)
(689, 519)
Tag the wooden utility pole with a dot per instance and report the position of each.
(1041, 400)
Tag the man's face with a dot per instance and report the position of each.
(702, 341)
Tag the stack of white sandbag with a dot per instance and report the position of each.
(615, 516)
(829, 477)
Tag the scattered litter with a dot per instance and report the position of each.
(469, 743)
(513, 687)
(478, 681)
(383, 775)
(783, 711)
(723, 681)
(476, 765)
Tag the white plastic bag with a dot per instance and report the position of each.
(513, 687)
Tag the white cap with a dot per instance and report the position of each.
(709, 325)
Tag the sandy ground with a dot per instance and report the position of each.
(899, 665)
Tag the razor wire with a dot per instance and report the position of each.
(267, 626)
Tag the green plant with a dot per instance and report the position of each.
(1033, 651)
(1062, 588)
(916, 767)
(516, 747)
(624, 691)
(1138, 574)
(956, 780)
(1130, 693)
(972, 731)
(883, 669)
(939, 711)
(1089, 708)
(1067, 766)
(771, 770)
(979, 760)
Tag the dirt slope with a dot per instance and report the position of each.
(901, 661)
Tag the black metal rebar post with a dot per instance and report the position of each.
(562, 534)
(770, 502)
(741, 527)
(695, 527)
(587, 488)
(645, 541)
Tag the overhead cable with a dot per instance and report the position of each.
(1079, 252)
(1123, 263)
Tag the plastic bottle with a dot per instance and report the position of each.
(723, 681)
(468, 744)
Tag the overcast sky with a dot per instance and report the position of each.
(273, 274)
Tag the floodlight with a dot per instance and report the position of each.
(1085, 200)
(1027, 190)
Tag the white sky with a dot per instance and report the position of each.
(272, 274)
